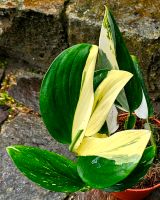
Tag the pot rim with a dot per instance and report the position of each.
(144, 189)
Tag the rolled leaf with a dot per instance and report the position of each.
(105, 96)
(60, 91)
(107, 40)
(86, 99)
(110, 159)
(111, 42)
(49, 170)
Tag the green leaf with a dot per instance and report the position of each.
(137, 174)
(132, 89)
(113, 45)
(110, 159)
(49, 170)
(149, 110)
(130, 122)
(99, 76)
(60, 91)
(102, 61)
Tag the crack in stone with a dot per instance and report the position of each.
(64, 21)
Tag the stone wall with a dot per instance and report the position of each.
(32, 34)
(32, 30)
(36, 31)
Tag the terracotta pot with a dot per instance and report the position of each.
(135, 194)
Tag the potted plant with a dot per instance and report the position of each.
(79, 97)
(120, 59)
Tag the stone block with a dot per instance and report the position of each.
(32, 30)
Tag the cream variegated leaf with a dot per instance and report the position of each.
(142, 110)
(112, 122)
(107, 43)
(107, 40)
(122, 147)
(145, 109)
(86, 99)
(105, 96)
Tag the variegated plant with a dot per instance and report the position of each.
(134, 97)
(76, 101)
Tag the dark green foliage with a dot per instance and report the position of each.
(133, 87)
(137, 174)
(140, 76)
(60, 91)
(49, 170)
(100, 173)
(99, 76)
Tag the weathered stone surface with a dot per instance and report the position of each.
(26, 130)
(84, 21)
(36, 30)
(139, 22)
(27, 88)
(2, 68)
(48, 7)
(32, 30)
(1, 74)
(3, 113)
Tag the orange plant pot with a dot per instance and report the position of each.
(137, 194)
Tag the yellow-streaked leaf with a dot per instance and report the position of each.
(86, 99)
(122, 147)
(107, 40)
(105, 96)
(107, 43)
(100, 135)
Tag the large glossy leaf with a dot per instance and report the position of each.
(105, 96)
(60, 91)
(111, 42)
(137, 174)
(110, 159)
(145, 110)
(86, 100)
(49, 170)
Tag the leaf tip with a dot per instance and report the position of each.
(11, 150)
